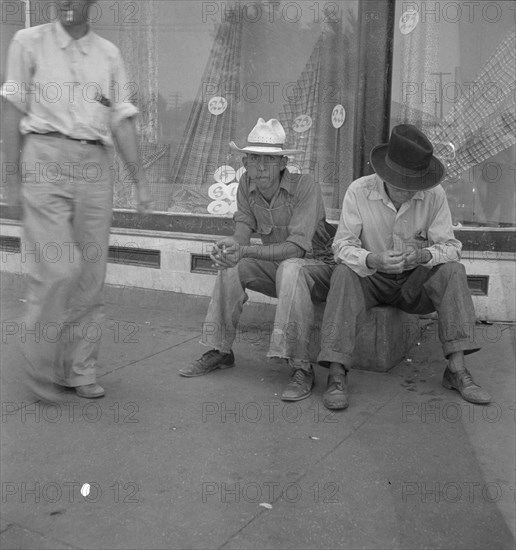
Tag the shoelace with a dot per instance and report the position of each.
(467, 379)
(299, 377)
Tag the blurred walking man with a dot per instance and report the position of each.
(64, 112)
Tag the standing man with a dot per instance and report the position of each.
(395, 246)
(293, 262)
(64, 109)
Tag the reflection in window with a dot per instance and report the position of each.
(315, 66)
(456, 79)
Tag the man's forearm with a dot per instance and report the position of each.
(273, 252)
(12, 138)
(126, 140)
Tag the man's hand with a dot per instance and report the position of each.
(389, 261)
(417, 256)
(144, 203)
(226, 253)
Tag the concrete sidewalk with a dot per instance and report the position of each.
(189, 463)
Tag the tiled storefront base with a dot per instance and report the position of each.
(174, 270)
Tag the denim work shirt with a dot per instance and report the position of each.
(295, 214)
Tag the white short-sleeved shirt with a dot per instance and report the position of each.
(76, 87)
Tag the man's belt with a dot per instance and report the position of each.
(63, 136)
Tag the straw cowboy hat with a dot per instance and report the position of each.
(266, 138)
(407, 161)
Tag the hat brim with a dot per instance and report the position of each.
(407, 182)
(257, 150)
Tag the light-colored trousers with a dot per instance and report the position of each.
(296, 282)
(67, 198)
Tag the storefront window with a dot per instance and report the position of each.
(454, 76)
(205, 72)
(202, 73)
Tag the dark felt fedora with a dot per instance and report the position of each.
(407, 161)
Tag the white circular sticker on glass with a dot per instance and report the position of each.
(217, 191)
(217, 105)
(218, 208)
(224, 174)
(231, 190)
(338, 116)
(302, 123)
(408, 21)
(294, 168)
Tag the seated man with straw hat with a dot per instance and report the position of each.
(395, 246)
(293, 263)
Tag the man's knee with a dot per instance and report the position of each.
(62, 272)
(290, 269)
(341, 273)
(451, 269)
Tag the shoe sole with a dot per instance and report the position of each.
(88, 396)
(296, 398)
(335, 406)
(475, 402)
(218, 367)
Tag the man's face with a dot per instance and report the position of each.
(398, 195)
(264, 169)
(74, 12)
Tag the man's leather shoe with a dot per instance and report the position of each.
(299, 386)
(211, 360)
(90, 391)
(336, 394)
(462, 381)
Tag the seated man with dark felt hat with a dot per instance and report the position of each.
(293, 263)
(395, 246)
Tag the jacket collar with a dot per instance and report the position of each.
(64, 40)
(287, 182)
(377, 191)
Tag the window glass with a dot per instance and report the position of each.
(454, 77)
(202, 73)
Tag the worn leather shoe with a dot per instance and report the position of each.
(90, 391)
(211, 360)
(336, 394)
(462, 381)
(299, 386)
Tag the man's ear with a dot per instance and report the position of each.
(244, 161)
(283, 163)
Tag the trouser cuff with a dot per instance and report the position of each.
(460, 345)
